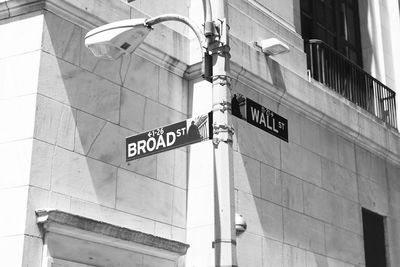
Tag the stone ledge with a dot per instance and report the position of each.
(63, 224)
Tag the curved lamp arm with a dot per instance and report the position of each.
(199, 34)
(175, 17)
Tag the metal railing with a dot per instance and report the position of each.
(347, 79)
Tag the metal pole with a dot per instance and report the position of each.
(224, 207)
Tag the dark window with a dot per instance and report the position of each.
(335, 22)
(374, 239)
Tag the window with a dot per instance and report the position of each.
(335, 22)
(374, 239)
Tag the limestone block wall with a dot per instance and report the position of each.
(19, 68)
(65, 120)
(249, 22)
(65, 148)
(85, 109)
(302, 199)
(282, 11)
(155, 8)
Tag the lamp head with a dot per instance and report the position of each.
(112, 40)
(273, 46)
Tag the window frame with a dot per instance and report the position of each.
(339, 41)
(371, 245)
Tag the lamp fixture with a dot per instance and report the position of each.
(112, 40)
(272, 46)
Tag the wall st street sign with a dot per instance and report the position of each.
(169, 137)
(259, 116)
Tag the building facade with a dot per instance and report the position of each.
(326, 196)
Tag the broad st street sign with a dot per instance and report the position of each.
(169, 137)
(260, 116)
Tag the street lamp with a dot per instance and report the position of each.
(115, 39)
(272, 46)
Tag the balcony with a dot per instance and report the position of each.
(347, 79)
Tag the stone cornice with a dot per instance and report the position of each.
(162, 59)
(13, 8)
(74, 14)
(82, 228)
(67, 10)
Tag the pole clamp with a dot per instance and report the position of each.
(222, 128)
(220, 45)
(231, 241)
(216, 141)
(224, 106)
(221, 80)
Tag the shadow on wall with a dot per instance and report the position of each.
(86, 109)
(270, 199)
(276, 73)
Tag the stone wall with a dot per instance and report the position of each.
(85, 109)
(19, 68)
(67, 115)
(302, 199)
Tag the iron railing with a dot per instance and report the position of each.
(347, 79)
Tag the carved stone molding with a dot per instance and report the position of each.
(72, 237)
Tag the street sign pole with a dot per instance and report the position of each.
(224, 207)
(217, 35)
